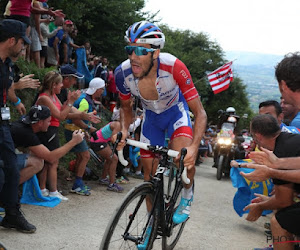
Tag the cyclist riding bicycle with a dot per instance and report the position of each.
(165, 87)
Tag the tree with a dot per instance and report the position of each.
(200, 56)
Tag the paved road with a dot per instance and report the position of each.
(80, 222)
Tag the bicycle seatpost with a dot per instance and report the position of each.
(119, 136)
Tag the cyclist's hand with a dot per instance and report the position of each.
(190, 158)
(122, 143)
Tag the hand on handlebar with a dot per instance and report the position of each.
(122, 142)
(190, 158)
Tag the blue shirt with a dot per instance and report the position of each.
(296, 121)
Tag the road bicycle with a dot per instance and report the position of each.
(131, 221)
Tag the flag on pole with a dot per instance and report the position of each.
(221, 78)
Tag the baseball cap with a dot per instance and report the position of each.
(96, 83)
(15, 27)
(69, 70)
(36, 113)
(67, 22)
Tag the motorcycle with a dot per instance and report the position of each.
(227, 148)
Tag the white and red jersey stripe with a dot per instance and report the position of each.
(173, 80)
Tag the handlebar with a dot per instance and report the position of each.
(170, 152)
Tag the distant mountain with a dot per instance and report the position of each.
(253, 58)
(258, 73)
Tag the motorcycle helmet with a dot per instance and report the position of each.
(145, 32)
(230, 110)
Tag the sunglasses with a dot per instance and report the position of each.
(139, 51)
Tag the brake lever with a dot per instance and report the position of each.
(119, 136)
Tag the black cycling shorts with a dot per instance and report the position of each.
(97, 146)
(289, 218)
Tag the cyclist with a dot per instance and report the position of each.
(165, 87)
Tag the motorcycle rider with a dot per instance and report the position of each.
(228, 116)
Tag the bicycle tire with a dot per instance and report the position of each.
(169, 242)
(220, 167)
(115, 231)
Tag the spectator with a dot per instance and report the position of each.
(288, 76)
(266, 132)
(54, 44)
(58, 21)
(70, 76)
(22, 9)
(112, 89)
(47, 96)
(84, 103)
(45, 35)
(101, 147)
(272, 108)
(65, 43)
(12, 41)
(24, 134)
(291, 113)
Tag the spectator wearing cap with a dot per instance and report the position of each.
(64, 45)
(70, 76)
(55, 42)
(24, 134)
(12, 40)
(47, 96)
(85, 103)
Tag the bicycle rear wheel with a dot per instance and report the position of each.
(128, 225)
(172, 195)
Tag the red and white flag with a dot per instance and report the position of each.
(220, 79)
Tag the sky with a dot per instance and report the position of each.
(263, 26)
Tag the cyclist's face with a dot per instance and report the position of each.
(141, 64)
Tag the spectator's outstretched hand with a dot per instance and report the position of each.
(73, 96)
(78, 136)
(261, 172)
(59, 13)
(27, 82)
(92, 117)
(265, 157)
(255, 211)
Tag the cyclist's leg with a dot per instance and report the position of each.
(181, 134)
(177, 144)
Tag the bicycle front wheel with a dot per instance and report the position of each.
(172, 192)
(128, 225)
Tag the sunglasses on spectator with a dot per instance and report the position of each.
(139, 51)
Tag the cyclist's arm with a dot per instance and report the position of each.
(197, 109)
(125, 117)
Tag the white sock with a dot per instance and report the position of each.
(138, 172)
(44, 190)
(126, 170)
(187, 193)
(55, 192)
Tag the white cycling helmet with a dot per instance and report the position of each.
(145, 32)
(230, 110)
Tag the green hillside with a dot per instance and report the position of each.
(258, 74)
